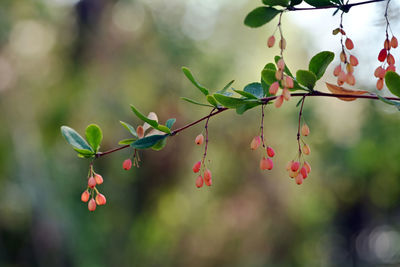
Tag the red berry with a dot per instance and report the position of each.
(307, 166)
(379, 84)
(279, 101)
(337, 70)
(382, 55)
(380, 72)
(266, 164)
(196, 167)
(386, 44)
(199, 181)
(92, 205)
(270, 151)
(341, 78)
(391, 68)
(304, 172)
(349, 44)
(199, 139)
(85, 196)
(207, 175)
(127, 164)
(289, 82)
(91, 182)
(295, 166)
(271, 41)
(350, 79)
(208, 182)
(100, 199)
(390, 59)
(255, 143)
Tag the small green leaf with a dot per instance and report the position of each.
(226, 87)
(286, 69)
(163, 128)
(170, 122)
(127, 141)
(265, 87)
(245, 94)
(283, 3)
(320, 62)
(255, 89)
(268, 76)
(390, 102)
(148, 141)
(94, 136)
(319, 3)
(260, 16)
(160, 144)
(392, 80)
(189, 75)
(212, 100)
(248, 105)
(74, 139)
(306, 78)
(85, 153)
(229, 102)
(129, 127)
(270, 66)
(295, 2)
(195, 102)
(152, 123)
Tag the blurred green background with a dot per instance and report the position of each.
(74, 63)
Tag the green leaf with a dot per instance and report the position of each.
(268, 76)
(265, 87)
(85, 153)
(260, 16)
(195, 102)
(74, 139)
(392, 80)
(127, 141)
(306, 78)
(189, 75)
(248, 105)
(229, 102)
(320, 62)
(170, 122)
(245, 94)
(163, 128)
(94, 136)
(390, 102)
(318, 3)
(212, 100)
(148, 141)
(129, 127)
(152, 123)
(160, 144)
(283, 3)
(270, 66)
(226, 87)
(295, 2)
(286, 69)
(255, 89)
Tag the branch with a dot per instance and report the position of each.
(263, 101)
(345, 7)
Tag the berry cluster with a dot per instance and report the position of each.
(199, 167)
(387, 60)
(344, 71)
(93, 180)
(283, 81)
(300, 168)
(266, 162)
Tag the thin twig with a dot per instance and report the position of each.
(346, 6)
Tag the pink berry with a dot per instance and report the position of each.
(92, 205)
(305, 130)
(286, 94)
(271, 41)
(304, 172)
(393, 42)
(307, 166)
(92, 182)
(337, 70)
(273, 89)
(390, 59)
(281, 64)
(306, 149)
(208, 182)
(255, 143)
(349, 44)
(266, 164)
(295, 166)
(100, 199)
(207, 175)
(199, 181)
(379, 84)
(289, 82)
(140, 131)
(299, 179)
(85, 196)
(199, 139)
(279, 101)
(353, 60)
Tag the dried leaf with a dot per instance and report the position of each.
(343, 91)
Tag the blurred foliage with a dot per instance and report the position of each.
(75, 63)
